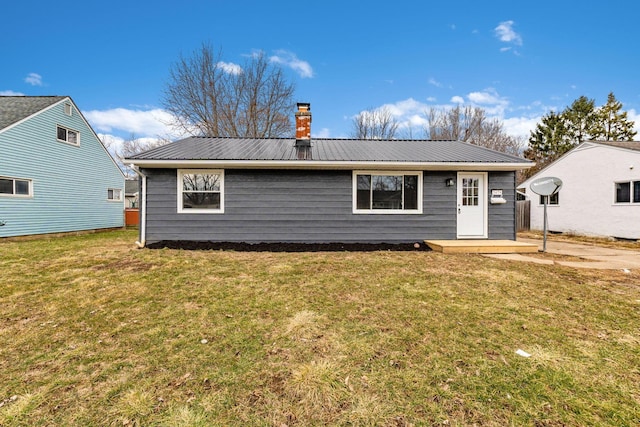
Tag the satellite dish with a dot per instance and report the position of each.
(546, 186)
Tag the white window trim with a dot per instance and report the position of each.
(182, 172)
(77, 144)
(630, 202)
(549, 204)
(114, 189)
(354, 193)
(18, 196)
(68, 109)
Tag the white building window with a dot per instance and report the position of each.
(552, 200)
(627, 192)
(68, 135)
(200, 191)
(387, 192)
(114, 194)
(15, 187)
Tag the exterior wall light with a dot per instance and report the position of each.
(449, 182)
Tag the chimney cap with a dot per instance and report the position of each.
(304, 106)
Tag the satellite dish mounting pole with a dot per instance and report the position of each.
(546, 187)
(544, 227)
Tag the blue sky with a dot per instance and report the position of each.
(517, 60)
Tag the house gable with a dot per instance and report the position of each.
(70, 179)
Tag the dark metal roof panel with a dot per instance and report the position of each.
(284, 149)
(15, 108)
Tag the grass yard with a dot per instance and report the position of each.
(94, 332)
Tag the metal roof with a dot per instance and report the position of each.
(322, 150)
(15, 108)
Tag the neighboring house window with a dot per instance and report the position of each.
(68, 135)
(114, 194)
(554, 199)
(387, 192)
(200, 191)
(627, 192)
(15, 187)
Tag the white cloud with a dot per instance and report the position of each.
(230, 67)
(323, 133)
(457, 100)
(34, 79)
(289, 59)
(505, 33)
(490, 101)
(434, 82)
(10, 93)
(432, 99)
(143, 124)
(520, 126)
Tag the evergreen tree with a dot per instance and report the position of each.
(548, 141)
(580, 119)
(612, 123)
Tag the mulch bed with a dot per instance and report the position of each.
(289, 247)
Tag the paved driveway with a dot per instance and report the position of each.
(593, 256)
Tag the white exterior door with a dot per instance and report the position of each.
(472, 205)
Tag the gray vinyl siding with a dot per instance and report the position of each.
(502, 218)
(307, 206)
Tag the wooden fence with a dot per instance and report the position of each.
(523, 212)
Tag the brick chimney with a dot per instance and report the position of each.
(303, 125)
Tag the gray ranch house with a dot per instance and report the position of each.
(304, 190)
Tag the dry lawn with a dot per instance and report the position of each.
(94, 332)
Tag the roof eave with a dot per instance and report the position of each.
(327, 165)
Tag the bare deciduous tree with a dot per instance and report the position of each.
(376, 123)
(470, 124)
(210, 97)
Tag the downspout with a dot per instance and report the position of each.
(143, 207)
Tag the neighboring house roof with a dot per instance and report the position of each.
(629, 145)
(131, 187)
(16, 108)
(282, 152)
(626, 145)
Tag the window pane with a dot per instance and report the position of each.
(201, 182)
(411, 192)
(6, 186)
(636, 191)
(623, 192)
(201, 200)
(110, 194)
(387, 192)
(62, 134)
(22, 187)
(363, 196)
(72, 137)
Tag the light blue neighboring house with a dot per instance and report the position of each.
(55, 174)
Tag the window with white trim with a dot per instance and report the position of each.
(69, 136)
(16, 187)
(114, 194)
(627, 192)
(553, 199)
(200, 191)
(387, 192)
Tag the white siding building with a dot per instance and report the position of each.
(600, 195)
